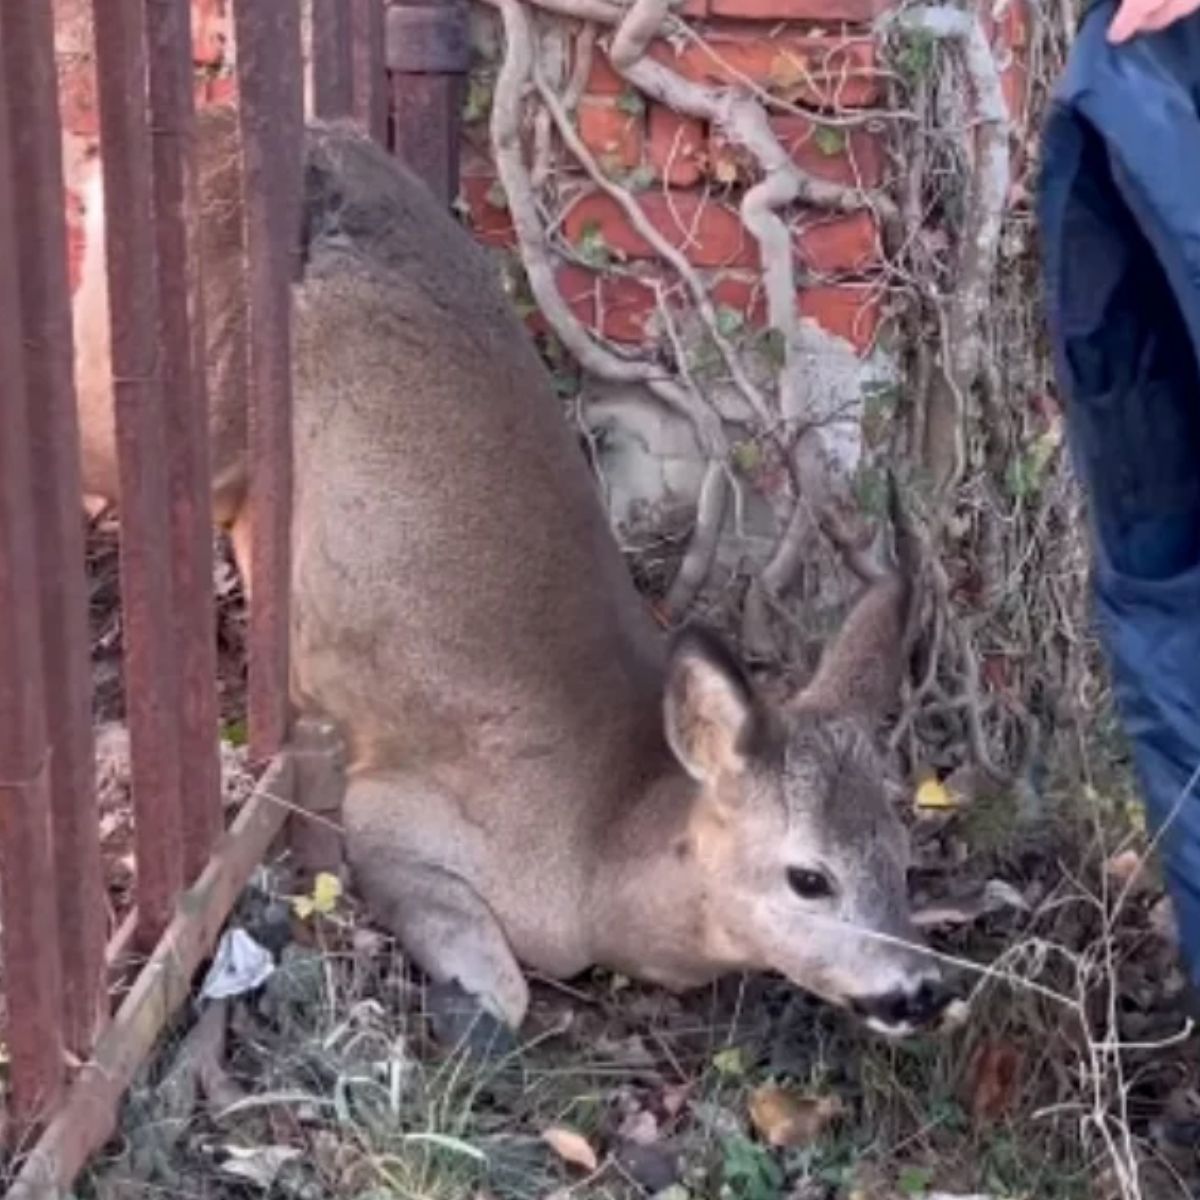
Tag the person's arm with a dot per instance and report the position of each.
(1144, 16)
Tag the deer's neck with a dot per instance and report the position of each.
(648, 900)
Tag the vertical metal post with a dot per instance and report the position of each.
(271, 111)
(185, 397)
(428, 55)
(30, 920)
(370, 71)
(152, 691)
(40, 262)
(332, 59)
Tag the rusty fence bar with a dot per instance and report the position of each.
(427, 53)
(30, 921)
(270, 90)
(151, 660)
(370, 71)
(27, 46)
(332, 59)
(185, 399)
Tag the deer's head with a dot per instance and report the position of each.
(802, 856)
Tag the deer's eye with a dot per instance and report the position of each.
(809, 885)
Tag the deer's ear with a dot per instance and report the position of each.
(861, 669)
(713, 717)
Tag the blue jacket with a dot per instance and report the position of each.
(1119, 211)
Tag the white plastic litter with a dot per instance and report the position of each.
(240, 965)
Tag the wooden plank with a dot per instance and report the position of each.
(88, 1117)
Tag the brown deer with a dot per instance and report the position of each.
(537, 778)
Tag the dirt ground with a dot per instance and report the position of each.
(1070, 1079)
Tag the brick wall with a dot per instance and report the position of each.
(816, 53)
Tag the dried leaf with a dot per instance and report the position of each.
(932, 795)
(729, 1062)
(1127, 868)
(995, 895)
(259, 1165)
(994, 1074)
(725, 170)
(786, 1120)
(571, 1147)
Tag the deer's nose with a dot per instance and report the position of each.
(905, 1011)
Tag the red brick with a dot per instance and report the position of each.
(850, 311)
(602, 79)
(489, 221)
(743, 293)
(829, 11)
(696, 9)
(211, 21)
(827, 244)
(611, 134)
(854, 157)
(817, 69)
(674, 146)
(626, 303)
(710, 234)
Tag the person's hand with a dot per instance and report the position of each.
(1145, 16)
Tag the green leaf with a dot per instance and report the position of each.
(479, 99)
(729, 320)
(914, 1181)
(871, 490)
(235, 733)
(749, 1170)
(829, 140)
(631, 103)
(746, 456)
(640, 178)
(592, 248)
(775, 347)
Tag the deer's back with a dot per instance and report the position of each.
(458, 593)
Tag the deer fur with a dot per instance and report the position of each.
(537, 778)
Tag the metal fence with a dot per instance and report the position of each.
(71, 1056)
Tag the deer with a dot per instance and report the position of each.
(539, 779)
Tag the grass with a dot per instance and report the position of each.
(347, 1096)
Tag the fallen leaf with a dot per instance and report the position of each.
(326, 892)
(729, 1062)
(1162, 920)
(933, 796)
(259, 1165)
(995, 895)
(994, 1074)
(787, 1120)
(1127, 868)
(640, 1128)
(571, 1147)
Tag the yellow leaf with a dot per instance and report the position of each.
(571, 1147)
(326, 892)
(725, 170)
(786, 1120)
(785, 71)
(729, 1062)
(932, 794)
